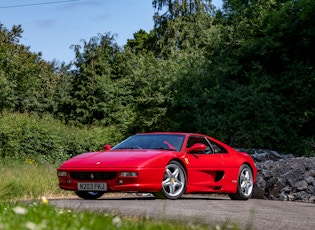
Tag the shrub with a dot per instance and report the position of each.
(45, 139)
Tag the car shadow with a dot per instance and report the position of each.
(147, 196)
(151, 197)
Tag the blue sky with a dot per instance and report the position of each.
(52, 26)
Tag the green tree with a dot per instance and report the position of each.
(180, 24)
(27, 82)
(101, 84)
(152, 80)
(142, 42)
(179, 8)
(267, 55)
(92, 82)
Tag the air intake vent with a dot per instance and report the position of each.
(93, 175)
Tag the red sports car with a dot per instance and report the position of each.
(166, 164)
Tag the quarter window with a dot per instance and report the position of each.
(217, 148)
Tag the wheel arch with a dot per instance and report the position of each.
(180, 162)
(252, 167)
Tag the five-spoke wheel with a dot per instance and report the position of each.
(174, 182)
(245, 184)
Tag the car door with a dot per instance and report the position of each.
(207, 168)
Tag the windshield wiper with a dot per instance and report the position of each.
(161, 148)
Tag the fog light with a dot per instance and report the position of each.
(120, 182)
(68, 181)
(128, 174)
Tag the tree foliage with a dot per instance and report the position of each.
(27, 82)
(243, 73)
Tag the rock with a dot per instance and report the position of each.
(258, 192)
(291, 197)
(283, 196)
(260, 181)
(283, 176)
(310, 189)
(301, 185)
(302, 196)
(277, 187)
(275, 155)
(292, 177)
(286, 189)
(310, 180)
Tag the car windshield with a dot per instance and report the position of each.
(153, 141)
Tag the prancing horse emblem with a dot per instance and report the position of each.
(92, 176)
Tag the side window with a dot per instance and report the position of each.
(217, 148)
(193, 140)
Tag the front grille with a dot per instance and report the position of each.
(93, 175)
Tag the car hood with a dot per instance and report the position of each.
(116, 158)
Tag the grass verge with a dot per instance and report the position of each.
(31, 181)
(28, 180)
(37, 216)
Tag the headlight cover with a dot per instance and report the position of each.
(128, 174)
(62, 173)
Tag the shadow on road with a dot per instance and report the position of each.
(149, 196)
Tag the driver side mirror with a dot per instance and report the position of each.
(107, 147)
(198, 147)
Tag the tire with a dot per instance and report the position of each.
(89, 195)
(174, 182)
(245, 184)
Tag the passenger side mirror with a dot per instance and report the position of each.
(198, 147)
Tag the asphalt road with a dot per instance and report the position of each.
(207, 209)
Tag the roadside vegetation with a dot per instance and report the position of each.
(38, 216)
(27, 179)
(27, 186)
(33, 150)
(244, 74)
(28, 137)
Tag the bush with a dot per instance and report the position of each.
(45, 139)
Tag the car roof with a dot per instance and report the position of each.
(182, 133)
